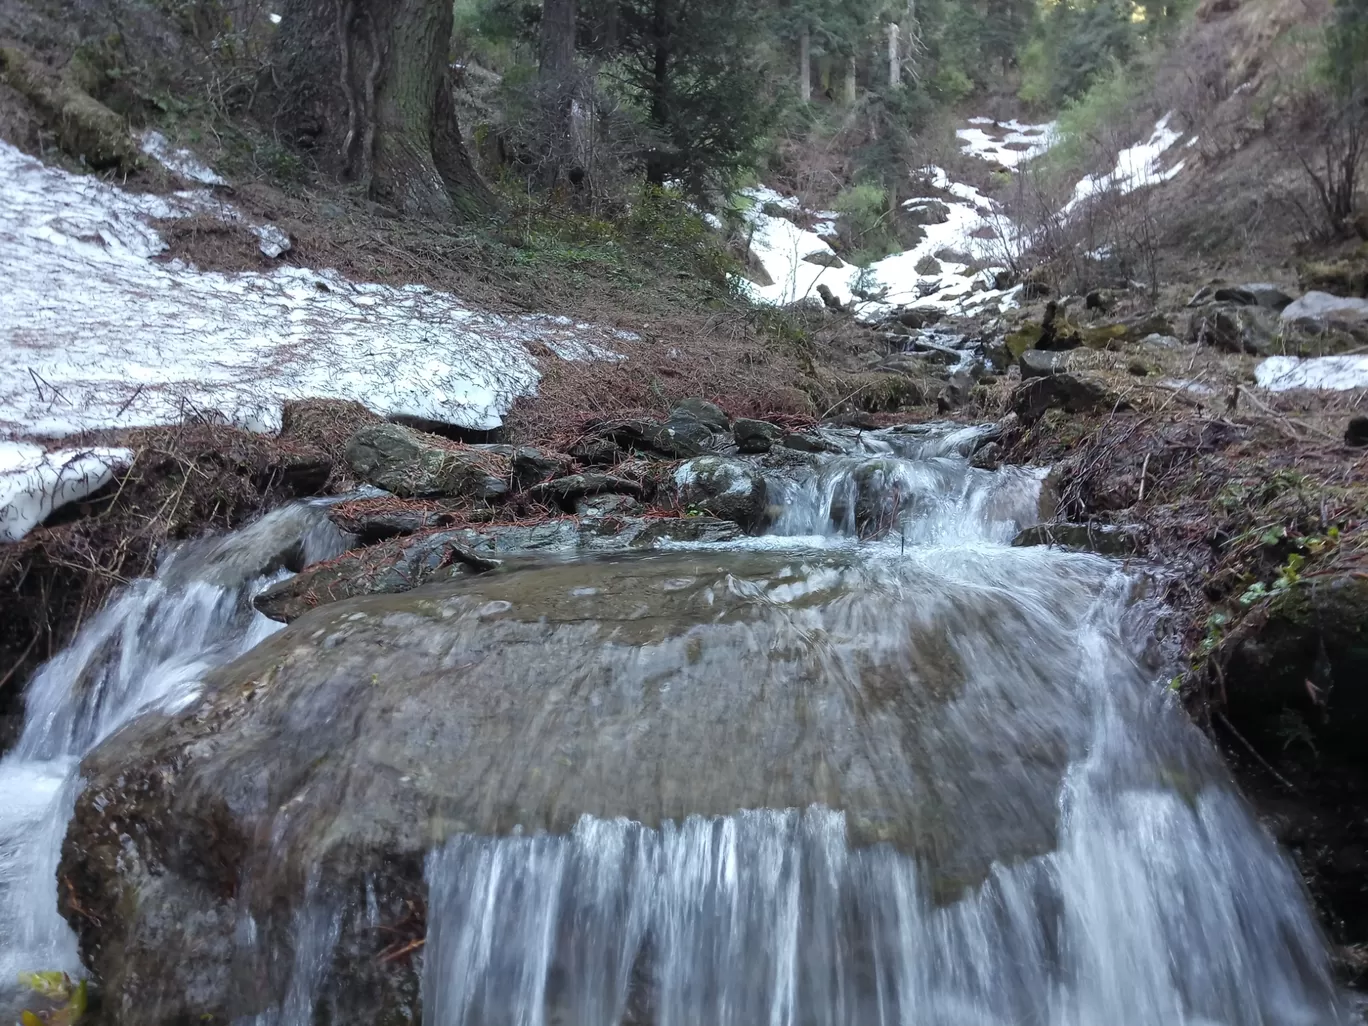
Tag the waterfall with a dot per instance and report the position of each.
(1071, 854)
(146, 651)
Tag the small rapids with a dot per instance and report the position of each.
(149, 648)
(876, 766)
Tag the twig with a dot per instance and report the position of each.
(1254, 752)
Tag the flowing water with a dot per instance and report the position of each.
(149, 648)
(921, 778)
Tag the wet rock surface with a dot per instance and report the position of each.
(373, 730)
(413, 464)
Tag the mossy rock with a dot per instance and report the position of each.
(1348, 277)
(1022, 339)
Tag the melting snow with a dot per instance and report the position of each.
(33, 483)
(1335, 373)
(95, 333)
(1009, 143)
(781, 246)
(182, 162)
(1136, 166)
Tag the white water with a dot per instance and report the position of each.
(148, 649)
(1161, 904)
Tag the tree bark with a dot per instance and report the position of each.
(365, 89)
(848, 95)
(805, 67)
(558, 87)
(894, 57)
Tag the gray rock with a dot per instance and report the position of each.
(350, 747)
(1321, 308)
(755, 436)
(808, 441)
(402, 564)
(702, 411)
(679, 439)
(730, 489)
(1038, 363)
(956, 391)
(413, 465)
(1235, 329)
(609, 504)
(1256, 294)
(924, 212)
(1073, 391)
(824, 259)
(1105, 539)
(566, 490)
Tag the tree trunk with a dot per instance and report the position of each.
(894, 57)
(366, 90)
(805, 67)
(556, 78)
(658, 164)
(849, 94)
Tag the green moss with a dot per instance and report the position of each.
(1022, 339)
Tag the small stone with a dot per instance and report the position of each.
(822, 259)
(565, 490)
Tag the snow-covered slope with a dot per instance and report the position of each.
(95, 332)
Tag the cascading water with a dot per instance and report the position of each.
(149, 648)
(924, 778)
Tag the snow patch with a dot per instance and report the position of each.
(33, 483)
(780, 246)
(1331, 373)
(1136, 166)
(95, 333)
(1009, 144)
(181, 162)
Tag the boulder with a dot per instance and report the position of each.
(730, 489)
(1038, 363)
(402, 564)
(926, 211)
(1235, 329)
(755, 436)
(1072, 391)
(677, 439)
(415, 465)
(277, 838)
(701, 411)
(1257, 294)
(955, 392)
(1320, 309)
(927, 266)
(1104, 539)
